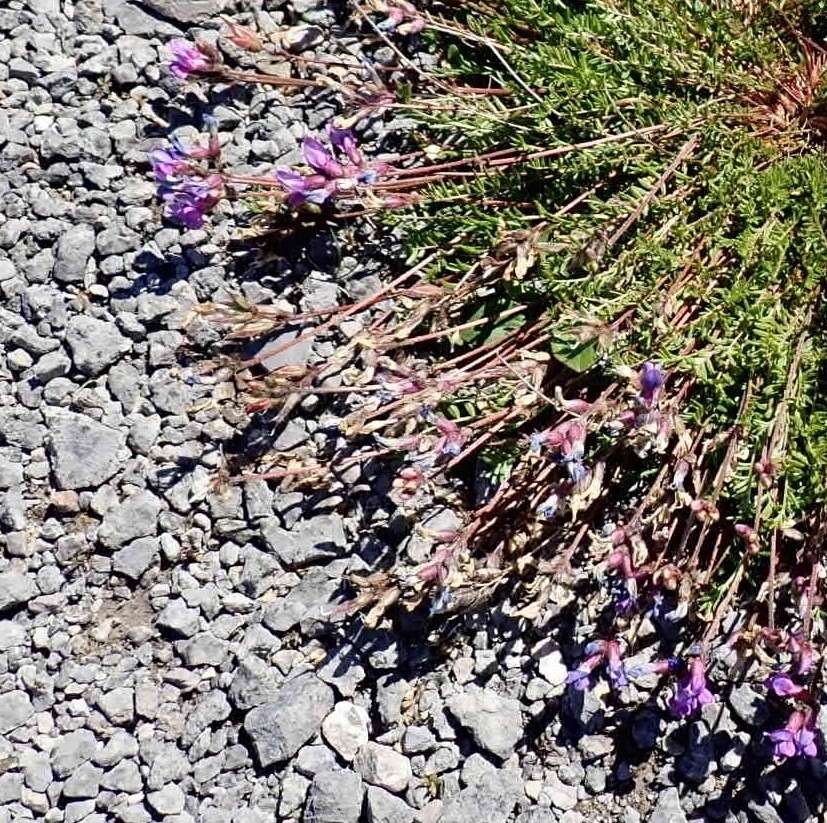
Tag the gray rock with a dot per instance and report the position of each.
(335, 797)
(11, 635)
(187, 11)
(16, 590)
(537, 815)
(491, 799)
(83, 453)
(136, 558)
(310, 541)
(495, 722)
(383, 807)
(204, 649)
(125, 777)
(37, 772)
(72, 750)
(74, 248)
(311, 598)
(179, 618)
(280, 728)
(135, 517)
(15, 709)
(118, 705)
(169, 800)
(384, 767)
(254, 682)
(83, 782)
(749, 706)
(94, 344)
(668, 808)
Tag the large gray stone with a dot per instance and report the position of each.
(83, 453)
(668, 808)
(72, 750)
(135, 517)
(310, 541)
(278, 729)
(74, 248)
(94, 344)
(495, 722)
(16, 589)
(15, 710)
(187, 11)
(335, 797)
(383, 807)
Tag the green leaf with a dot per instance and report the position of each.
(576, 354)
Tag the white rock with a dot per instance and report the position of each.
(346, 729)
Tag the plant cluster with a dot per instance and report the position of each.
(616, 313)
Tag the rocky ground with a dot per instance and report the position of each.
(166, 651)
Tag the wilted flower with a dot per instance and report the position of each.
(188, 201)
(402, 17)
(408, 482)
(452, 436)
(705, 510)
(781, 684)
(191, 58)
(803, 652)
(749, 534)
(651, 379)
(243, 37)
(691, 692)
(796, 738)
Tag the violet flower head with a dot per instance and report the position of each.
(320, 159)
(781, 684)
(344, 141)
(189, 201)
(651, 379)
(580, 678)
(168, 165)
(313, 189)
(614, 666)
(795, 739)
(691, 692)
(189, 58)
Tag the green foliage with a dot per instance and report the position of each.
(701, 246)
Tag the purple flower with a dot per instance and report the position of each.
(651, 382)
(168, 165)
(580, 678)
(189, 58)
(314, 189)
(691, 692)
(320, 159)
(614, 666)
(783, 685)
(188, 201)
(344, 141)
(796, 738)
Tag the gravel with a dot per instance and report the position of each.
(170, 644)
